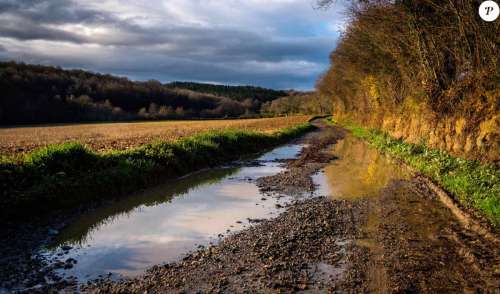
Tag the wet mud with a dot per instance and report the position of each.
(297, 178)
(423, 247)
(299, 250)
(357, 223)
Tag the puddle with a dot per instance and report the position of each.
(163, 223)
(397, 217)
(322, 271)
(360, 171)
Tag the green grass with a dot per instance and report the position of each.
(472, 184)
(69, 174)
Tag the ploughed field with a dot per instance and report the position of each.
(120, 136)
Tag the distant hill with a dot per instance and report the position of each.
(42, 94)
(239, 93)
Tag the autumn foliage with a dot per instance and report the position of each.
(423, 70)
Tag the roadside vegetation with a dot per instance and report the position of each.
(420, 69)
(69, 174)
(299, 103)
(472, 184)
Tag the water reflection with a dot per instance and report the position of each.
(163, 223)
(360, 171)
(77, 234)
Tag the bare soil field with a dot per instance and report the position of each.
(120, 136)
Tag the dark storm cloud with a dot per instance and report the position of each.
(52, 11)
(231, 45)
(26, 30)
(224, 44)
(122, 43)
(35, 19)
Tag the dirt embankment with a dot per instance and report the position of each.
(467, 138)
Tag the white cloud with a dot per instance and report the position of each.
(275, 43)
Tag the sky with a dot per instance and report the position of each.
(282, 44)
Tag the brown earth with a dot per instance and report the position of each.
(417, 246)
(120, 136)
(402, 240)
(467, 138)
(296, 179)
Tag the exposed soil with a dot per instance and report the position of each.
(402, 240)
(121, 136)
(296, 179)
(21, 265)
(425, 249)
(18, 265)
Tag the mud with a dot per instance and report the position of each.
(424, 247)
(278, 255)
(398, 239)
(296, 179)
(20, 265)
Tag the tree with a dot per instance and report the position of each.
(143, 113)
(179, 112)
(42, 94)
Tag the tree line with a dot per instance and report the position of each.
(423, 70)
(299, 103)
(239, 93)
(411, 55)
(43, 94)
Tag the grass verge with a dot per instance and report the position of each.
(472, 184)
(64, 175)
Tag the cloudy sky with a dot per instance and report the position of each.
(272, 43)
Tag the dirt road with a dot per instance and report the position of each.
(400, 239)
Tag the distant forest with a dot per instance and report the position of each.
(239, 93)
(43, 94)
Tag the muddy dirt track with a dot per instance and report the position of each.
(401, 239)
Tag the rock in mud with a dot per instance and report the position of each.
(275, 255)
(296, 179)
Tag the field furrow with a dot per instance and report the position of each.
(121, 136)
